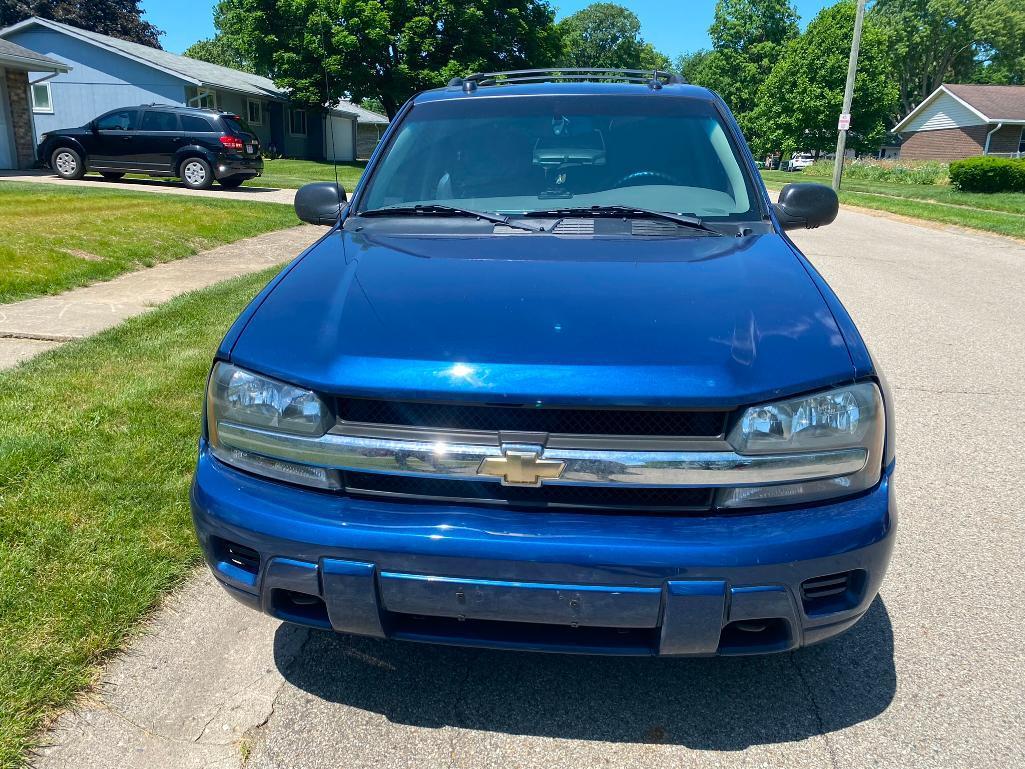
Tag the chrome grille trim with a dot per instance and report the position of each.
(582, 466)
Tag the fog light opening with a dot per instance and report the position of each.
(301, 608)
(755, 636)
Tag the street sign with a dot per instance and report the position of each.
(845, 122)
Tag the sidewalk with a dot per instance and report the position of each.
(160, 186)
(33, 326)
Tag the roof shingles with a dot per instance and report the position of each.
(16, 54)
(996, 102)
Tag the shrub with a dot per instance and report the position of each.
(889, 171)
(988, 174)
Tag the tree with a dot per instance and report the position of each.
(690, 65)
(218, 50)
(117, 18)
(937, 41)
(607, 35)
(1000, 29)
(322, 50)
(800, 102)
(747, 38)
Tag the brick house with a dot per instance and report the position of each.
(17, 130)
(960, 121)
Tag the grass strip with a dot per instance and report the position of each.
(55, 238)
(97, 446)
(1003, 214)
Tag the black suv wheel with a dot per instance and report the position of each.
(196, 173)
(67, 163)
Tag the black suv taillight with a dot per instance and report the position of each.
(232, 143)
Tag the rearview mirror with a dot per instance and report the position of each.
(319, 202)
(806, 206)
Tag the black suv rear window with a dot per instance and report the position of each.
(196, 124)
(236, 125)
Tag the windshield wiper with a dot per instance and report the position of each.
(425, 209)
(682, 219)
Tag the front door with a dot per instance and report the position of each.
(157, 140)
(113, 140)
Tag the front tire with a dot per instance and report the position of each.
(111, 176)
(196, 174)
(231, 182)
(67, 163)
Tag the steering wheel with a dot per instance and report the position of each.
(645, 177)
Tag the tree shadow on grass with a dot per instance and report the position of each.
(710, 704)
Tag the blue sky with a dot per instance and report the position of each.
(673, 26)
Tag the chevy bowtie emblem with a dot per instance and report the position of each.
(521, 468)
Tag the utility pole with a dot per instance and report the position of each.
(848, 96)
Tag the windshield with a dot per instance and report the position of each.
(523, 154)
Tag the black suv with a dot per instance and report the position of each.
(197, 145)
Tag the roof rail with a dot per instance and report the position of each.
(654, 78)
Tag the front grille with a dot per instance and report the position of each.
(574, 421)
(652, 499)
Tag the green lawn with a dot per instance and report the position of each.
(53, 238)
(295, 173)
(1002, 213)
(97, 446)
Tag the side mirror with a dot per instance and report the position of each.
(94, 127)
(806, 206)
(319, 202)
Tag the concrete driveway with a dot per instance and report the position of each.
(934, 676)
(247, 191)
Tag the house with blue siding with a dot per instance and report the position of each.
(17, 135)
(104, 73)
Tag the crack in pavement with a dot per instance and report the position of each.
(816, 709)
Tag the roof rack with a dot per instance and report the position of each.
(654, 78)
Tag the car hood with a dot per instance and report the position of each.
(537, 318)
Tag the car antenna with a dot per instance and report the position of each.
(334, 154)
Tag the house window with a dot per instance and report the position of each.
(204, 98)
(255, 112)
(297, 122)
(41, 98)
(1021, 143)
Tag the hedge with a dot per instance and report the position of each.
(988, 174)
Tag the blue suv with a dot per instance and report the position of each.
(554, 379)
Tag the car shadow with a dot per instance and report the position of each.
(711, 704)
(158, 181)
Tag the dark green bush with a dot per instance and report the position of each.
(988, 174)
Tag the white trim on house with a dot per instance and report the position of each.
(250, 103)
(306, 127)
(67, 29)
(942, 121)
(203, 98)
(36, 108)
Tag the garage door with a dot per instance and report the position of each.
(6, 136)
(338, 139)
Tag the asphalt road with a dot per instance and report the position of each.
(934, 676)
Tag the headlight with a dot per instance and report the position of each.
(845, 418)
(239, 397)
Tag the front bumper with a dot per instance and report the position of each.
(551, 581)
